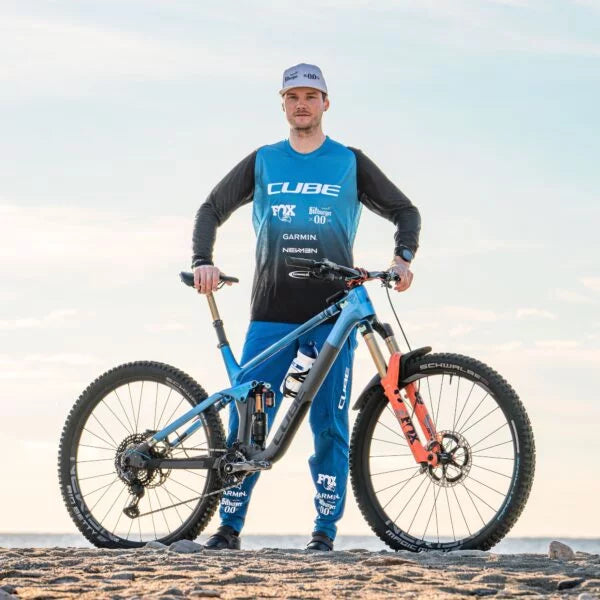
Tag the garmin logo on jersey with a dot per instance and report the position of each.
(285, 187)
(284, 212)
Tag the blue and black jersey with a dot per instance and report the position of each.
(304, 205)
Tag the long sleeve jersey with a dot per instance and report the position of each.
(304, 205)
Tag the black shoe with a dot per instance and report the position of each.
(226, 538)
(320, 542)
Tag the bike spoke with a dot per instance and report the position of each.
(111, 506)
(392, 471)
(115, 416)
(474, 411)
(490, 447)
(409, 500)
(470, 491)
(96, 447)
(455, 404)
(479, 421)
(158, 427)
(488, 435)
(464, 406)
(435, 495)
(461, 510)
(450, 515)
(394, 485)
(97, 436)
(124, 411)
(492, 471)
(486, 485)
(104, 428)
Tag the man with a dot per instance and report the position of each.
(307, 194)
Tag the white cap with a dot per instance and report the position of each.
(303, 75)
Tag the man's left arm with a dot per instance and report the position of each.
(381, 196)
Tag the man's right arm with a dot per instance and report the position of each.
(233, 191)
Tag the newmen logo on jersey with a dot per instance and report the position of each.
(285, 187)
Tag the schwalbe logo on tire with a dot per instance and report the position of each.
(453, 367)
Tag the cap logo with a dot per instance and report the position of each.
(311, 76)
(293, 75)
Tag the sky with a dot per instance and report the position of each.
(119, 118)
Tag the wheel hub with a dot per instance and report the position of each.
(454, 460)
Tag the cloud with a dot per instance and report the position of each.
(572, 296)
(523, 313)
(43, 366)
(164, 327)
(91, 243)
(591, 283)
(63, 57)
(52, 319)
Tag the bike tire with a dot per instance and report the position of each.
(127, 377)
(379, 506)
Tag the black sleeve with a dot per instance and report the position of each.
(233, 191)
(381, 196)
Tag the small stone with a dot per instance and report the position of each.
(155, 545)
(560, 551)
(123, 575)
(567, 584)
(358, 550)
(586, 596)
(9, 589)
(185, 547)
(203, 593)
(172, 591)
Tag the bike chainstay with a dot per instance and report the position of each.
(223, 489)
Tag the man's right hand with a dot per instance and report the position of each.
(206, 278)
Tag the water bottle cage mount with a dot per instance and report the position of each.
(299, 377)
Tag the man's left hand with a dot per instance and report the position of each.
(402, 268)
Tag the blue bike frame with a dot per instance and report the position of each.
(352, 310)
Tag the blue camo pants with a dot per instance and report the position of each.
(328, 422)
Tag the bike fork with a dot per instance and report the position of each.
(390, 380)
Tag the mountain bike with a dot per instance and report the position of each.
(442, 453)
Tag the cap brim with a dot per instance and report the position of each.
(291, 87)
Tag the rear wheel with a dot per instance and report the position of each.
(115, 413)
(474, 498)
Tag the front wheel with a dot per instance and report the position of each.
(474, 498)
(118, 412)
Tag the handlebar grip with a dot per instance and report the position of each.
(188, 278)
(294, 261)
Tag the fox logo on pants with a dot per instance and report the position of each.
(328, 481)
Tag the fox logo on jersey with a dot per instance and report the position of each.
(284, 212)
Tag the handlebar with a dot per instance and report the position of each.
(325, 269)
(188, 278)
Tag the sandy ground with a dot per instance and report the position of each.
(278, 573)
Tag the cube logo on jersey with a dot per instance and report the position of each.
(301, 187)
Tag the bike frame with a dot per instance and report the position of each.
(353, 310)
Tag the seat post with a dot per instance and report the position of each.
(217, 323)
(214, 311)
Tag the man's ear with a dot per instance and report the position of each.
(326, 103)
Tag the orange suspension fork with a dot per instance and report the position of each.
(391, 386)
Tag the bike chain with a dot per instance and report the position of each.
(223, 489)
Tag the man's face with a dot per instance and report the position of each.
(304, 108)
